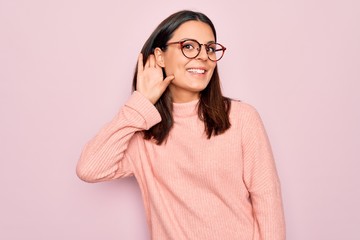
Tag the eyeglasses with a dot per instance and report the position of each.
(192, 48)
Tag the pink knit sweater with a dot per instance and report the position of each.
(221, 188)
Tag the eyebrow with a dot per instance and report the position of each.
(184, 39)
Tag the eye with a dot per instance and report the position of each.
(211, 48)
(188, 46)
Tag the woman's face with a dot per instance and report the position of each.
(191, 75)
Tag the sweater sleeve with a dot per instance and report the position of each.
(103, 157)
(260, 177)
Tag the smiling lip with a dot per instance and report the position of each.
(196, 70)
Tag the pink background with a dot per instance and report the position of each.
(66, 67)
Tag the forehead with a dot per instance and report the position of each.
(197, 30)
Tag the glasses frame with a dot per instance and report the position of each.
(206, 45)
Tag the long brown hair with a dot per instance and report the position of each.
(213, 107)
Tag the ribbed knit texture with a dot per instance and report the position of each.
(221, 188)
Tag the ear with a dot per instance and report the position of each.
(159, 57)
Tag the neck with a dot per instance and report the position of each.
(184, 96)
(185, 109)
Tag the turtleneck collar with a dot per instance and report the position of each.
(186, 109)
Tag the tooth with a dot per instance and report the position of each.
(196, 70)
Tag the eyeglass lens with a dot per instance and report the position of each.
(191, 49)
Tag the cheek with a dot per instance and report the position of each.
(176, 67)
(212, 71)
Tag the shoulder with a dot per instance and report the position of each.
(243, 114)
(245, 118)
(242, 109)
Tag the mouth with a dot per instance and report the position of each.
(196, 70)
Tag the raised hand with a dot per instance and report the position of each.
(150, 81)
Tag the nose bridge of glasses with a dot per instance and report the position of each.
(200, 48)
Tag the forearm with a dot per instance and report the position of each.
(102, 157)
(269, 214)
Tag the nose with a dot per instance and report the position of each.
(203, 53)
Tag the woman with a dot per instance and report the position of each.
(203, 162)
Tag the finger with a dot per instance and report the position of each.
(167, 81)
(147, 64)
(140, 65)
(152, 61)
